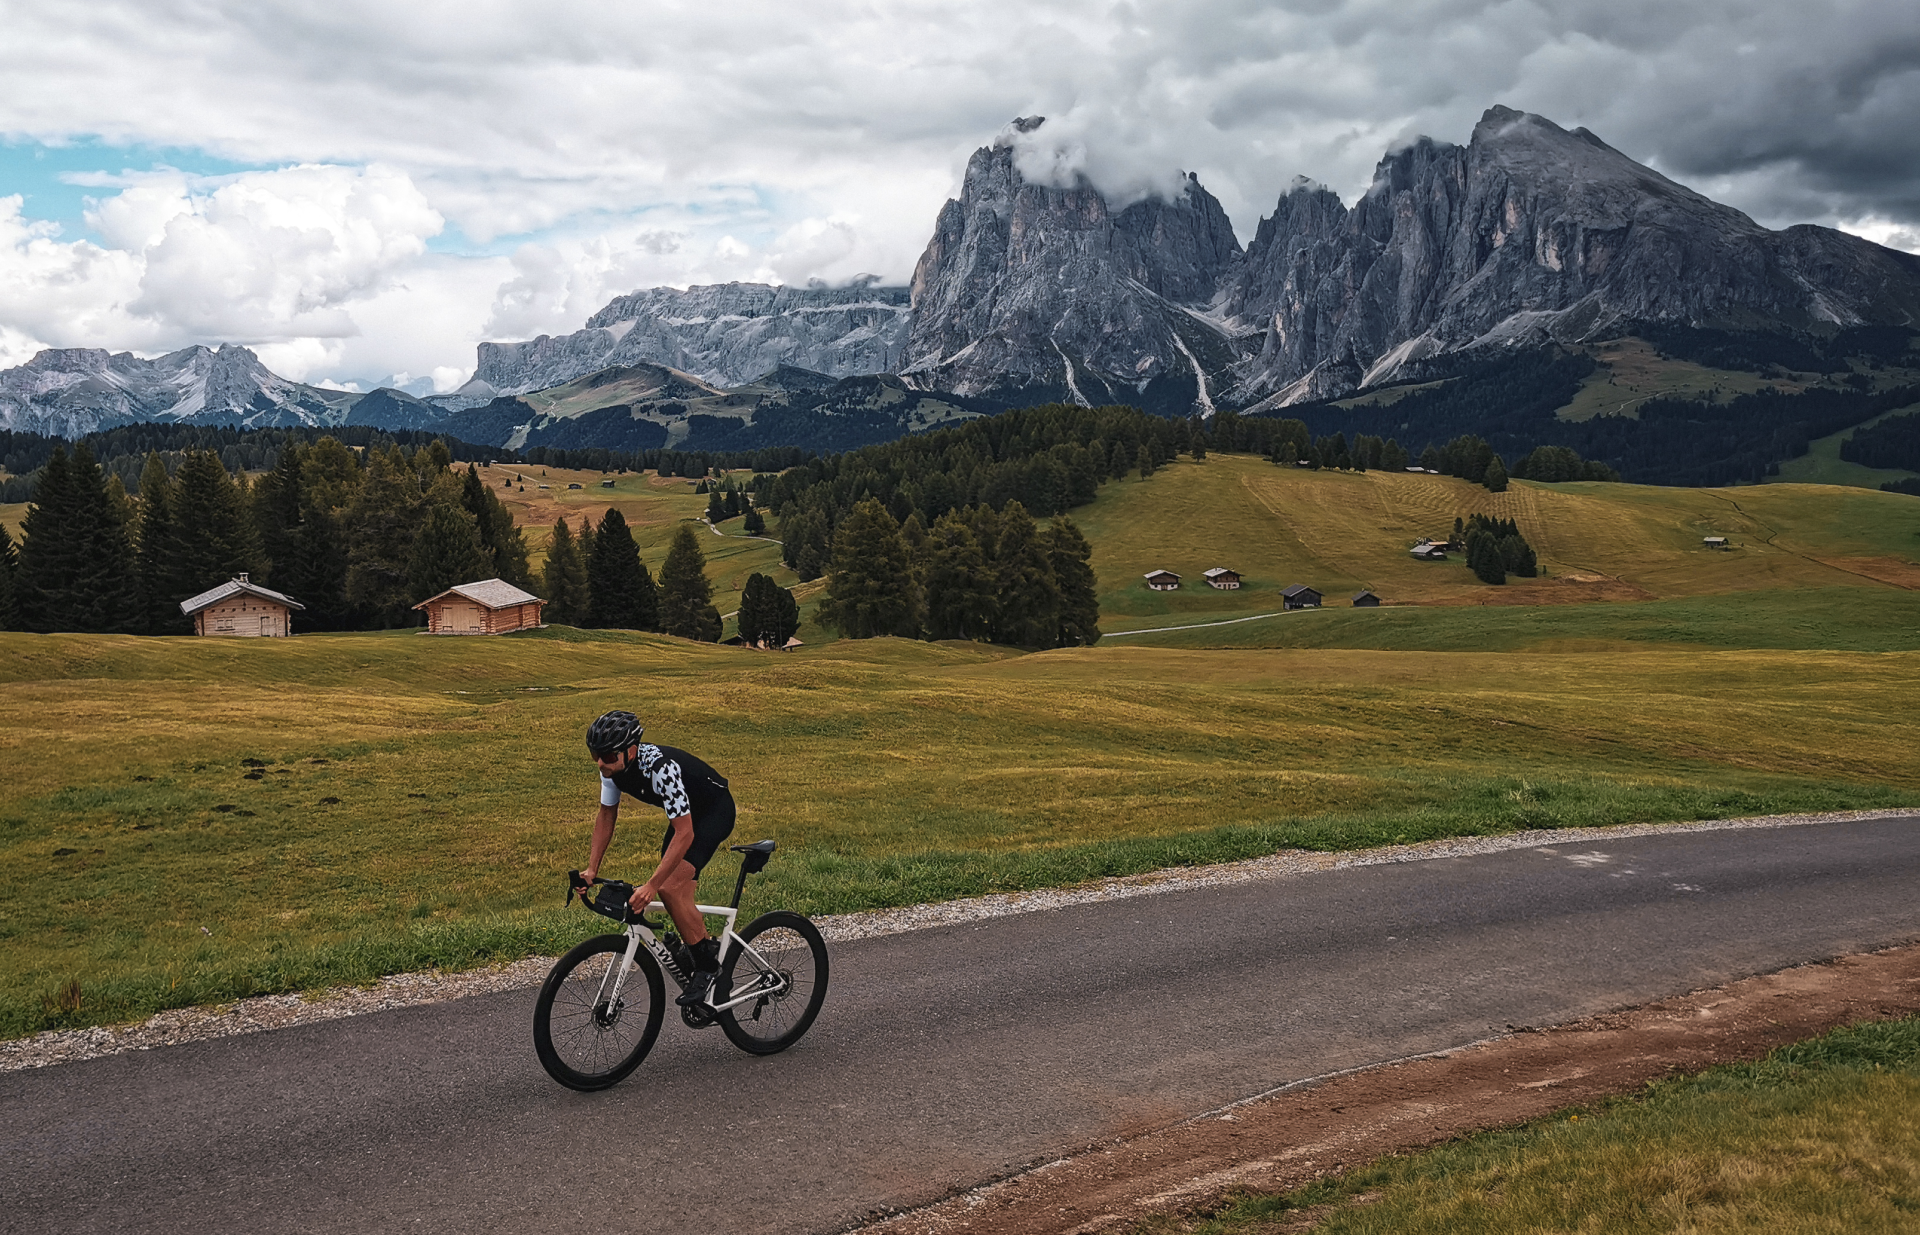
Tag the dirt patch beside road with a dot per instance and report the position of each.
(1281, 1141)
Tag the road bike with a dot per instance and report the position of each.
(600, 1008)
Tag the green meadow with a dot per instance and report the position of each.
(189, 820)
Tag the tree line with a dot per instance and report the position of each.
(356, 537)
(1894, 442)
(976, 574)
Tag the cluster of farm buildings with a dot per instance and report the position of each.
(1294, 596)
(241, 608)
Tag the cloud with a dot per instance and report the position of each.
(774, 140)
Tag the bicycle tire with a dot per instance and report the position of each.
(581, 1044)
(797, 956)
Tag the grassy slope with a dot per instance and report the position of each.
(1822, 464)
(1339, 532)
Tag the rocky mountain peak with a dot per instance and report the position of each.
(1048, 289)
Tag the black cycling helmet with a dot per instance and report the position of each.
(614, 731)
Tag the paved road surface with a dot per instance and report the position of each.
(943, 1058)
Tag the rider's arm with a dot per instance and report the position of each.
(602, 837)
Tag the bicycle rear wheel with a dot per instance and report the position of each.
(586, 1039)
(786, 961)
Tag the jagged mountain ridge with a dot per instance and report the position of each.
(70, 392)
(1529, 234)
(1040, 289)
(1526, 235)
(726, 334)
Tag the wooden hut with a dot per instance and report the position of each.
(1163, 581)
(489, 607)
(1365, 600)
(241, 609)
(1222, 578)
(1300, 596)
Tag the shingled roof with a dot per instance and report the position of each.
(493, 593)
(235, 587)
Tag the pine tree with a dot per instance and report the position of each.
(566, 579)
(870, 588)
(76, 562)
(1143, 459)
(214, 533)
(958, 581)
(1496, 475)
(447, 551)
(768, 613)
(156, 560)
(505, 544)
(379, 525)
(1117, 464)
(1029, 595)
(755, 524)
(716, 507)
(1072, 560)
(621, 589)
(686, 597)
(330, 476)
(9, 572)
(1483, 557)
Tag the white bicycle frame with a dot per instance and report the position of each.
(639, 935)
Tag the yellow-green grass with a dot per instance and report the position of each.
(1339, 532)
(891, 772)
(1844, 619)
(1818, 1137)
(1822, 464)
(1632, 372)
(12, 514)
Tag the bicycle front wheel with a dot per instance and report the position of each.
(588, 1037)
(784, 965)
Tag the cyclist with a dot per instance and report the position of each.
(699, 816)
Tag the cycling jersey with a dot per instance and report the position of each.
(679, 784)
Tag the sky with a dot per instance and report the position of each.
(362, 191)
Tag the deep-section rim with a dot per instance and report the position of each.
(579, 1016)
(739, 1024)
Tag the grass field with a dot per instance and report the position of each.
(1822, 464)
(1817, 1138)
(187, 820)
(1341, 531)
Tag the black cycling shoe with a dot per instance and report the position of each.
(695, 996)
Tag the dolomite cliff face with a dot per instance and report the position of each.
(727, 334)
(1044, 291)
(1528, 234)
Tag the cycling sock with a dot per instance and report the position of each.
(706, 955)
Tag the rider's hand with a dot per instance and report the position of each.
(641, 898)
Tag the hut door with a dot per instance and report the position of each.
(266, 626)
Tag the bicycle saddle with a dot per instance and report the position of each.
(753, 857)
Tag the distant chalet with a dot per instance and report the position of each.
(1163, 581)
(241, 609)
(1365, 600)
(1430, 551)
(1300, 596)
(1222, 578)
(489, 607)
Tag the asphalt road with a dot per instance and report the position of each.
(944, 1058)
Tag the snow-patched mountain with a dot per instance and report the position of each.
(725, 334)
(1036, 291)
(1527, 234)
(70, 392)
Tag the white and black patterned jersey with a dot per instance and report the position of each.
(666, 777)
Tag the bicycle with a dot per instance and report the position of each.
(591, 1029)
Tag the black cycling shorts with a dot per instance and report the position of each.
(712, 824)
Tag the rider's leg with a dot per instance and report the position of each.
(677, 894)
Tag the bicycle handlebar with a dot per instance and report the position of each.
(615, 906)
